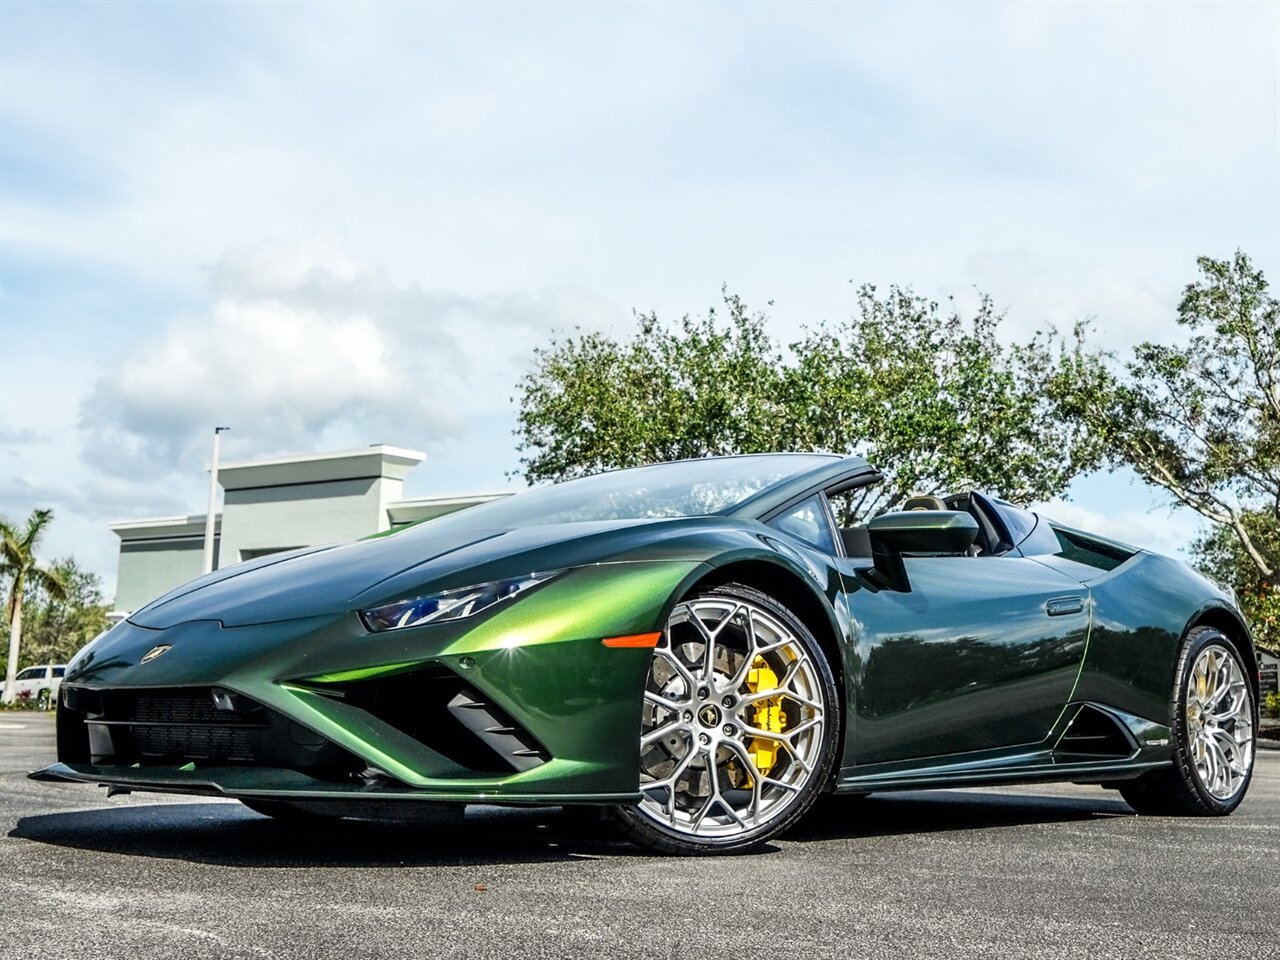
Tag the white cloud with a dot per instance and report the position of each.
(307, 343)
(1123, 310)
(19, 436)
(1162, 530)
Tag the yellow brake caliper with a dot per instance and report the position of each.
(768, 715)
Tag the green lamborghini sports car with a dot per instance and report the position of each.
(701, 647)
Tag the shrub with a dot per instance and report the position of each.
(1271, 705)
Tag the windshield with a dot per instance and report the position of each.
(688, 488)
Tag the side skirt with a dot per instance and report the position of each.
(1044, 771)
(1091, 743)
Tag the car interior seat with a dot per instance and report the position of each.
(857, 541)
(923, 502)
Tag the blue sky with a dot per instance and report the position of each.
(337, 224)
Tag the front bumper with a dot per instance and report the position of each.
(330, 711)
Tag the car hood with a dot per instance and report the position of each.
(339, 578)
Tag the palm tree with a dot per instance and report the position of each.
(18, 564)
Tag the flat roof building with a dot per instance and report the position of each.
(275, 504)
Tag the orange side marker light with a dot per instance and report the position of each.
(635, 640)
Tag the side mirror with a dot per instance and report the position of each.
(920, 532)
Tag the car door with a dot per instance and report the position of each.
(27, 682)
(981, 654)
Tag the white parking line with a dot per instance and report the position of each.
(13, 726)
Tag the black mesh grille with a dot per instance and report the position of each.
(194, 743)
(202, 725)
(183, 707)
(187, 725)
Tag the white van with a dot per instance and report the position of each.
(39, 684)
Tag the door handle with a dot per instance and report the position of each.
(1064, 606)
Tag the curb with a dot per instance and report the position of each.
(1268, 737)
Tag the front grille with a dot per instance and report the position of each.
(183, 707)
(203, 725)
(190, 727)
(194, 743)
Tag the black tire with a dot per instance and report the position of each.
(645, 831)
(43, 699)
(285, 812)
(1177, 790)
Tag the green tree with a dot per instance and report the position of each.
(934, 398)
(18, 565)
(700, 388)
(1199, 419)
(1221, 554)
(55, 627)
(927, 394)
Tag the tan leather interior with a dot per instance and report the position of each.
(923, 503)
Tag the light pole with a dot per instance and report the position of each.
(213, 500)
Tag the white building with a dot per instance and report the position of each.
(1269, 673)
(276, 504)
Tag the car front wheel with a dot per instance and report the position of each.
(739, 726)
(1214, 734)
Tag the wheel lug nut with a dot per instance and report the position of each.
(727, 701)
(703, 739)
(688, 716)
(729, 729)
(702, 693)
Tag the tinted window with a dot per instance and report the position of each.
(59, 671)
(31, 673)
(807, 521)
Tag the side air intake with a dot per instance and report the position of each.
(496, 729)
(1096, 734)
(440, 710)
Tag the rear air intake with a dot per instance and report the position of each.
(1094, 733)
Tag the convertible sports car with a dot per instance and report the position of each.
(700, 646)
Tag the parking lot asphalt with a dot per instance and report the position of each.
(1045, 871)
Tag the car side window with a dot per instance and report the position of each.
(59, 671)
(807, 521)
(31, 673)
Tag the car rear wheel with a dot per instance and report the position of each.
(739, 726)
(1214, 735)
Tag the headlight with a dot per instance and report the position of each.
(449, 604)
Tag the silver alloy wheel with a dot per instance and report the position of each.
(1219, 716)
(733, 720)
